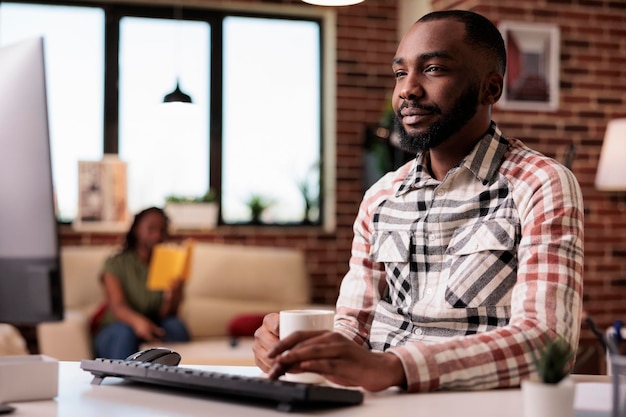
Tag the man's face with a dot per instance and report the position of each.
(437, 84)
(444, 125)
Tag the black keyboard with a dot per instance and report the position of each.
(285, 395)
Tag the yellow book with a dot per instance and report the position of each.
(168, 263)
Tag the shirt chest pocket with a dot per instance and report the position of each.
(393, 249)
(482, 264)
(391, 246)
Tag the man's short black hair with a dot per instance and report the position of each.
(480, 32)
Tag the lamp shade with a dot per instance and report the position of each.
(333, 2)
(177, 96)
(611, 174)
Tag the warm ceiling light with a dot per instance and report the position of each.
(333, 2)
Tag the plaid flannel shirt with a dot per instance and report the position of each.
(462, 278)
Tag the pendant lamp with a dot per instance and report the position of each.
(177, 96)
(333, 2)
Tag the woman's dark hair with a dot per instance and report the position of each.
(480, 32)
(130, 243)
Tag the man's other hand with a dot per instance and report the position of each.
(265, 338)
(338, 359)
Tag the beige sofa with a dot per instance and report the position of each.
(11, 341)
(226, 283)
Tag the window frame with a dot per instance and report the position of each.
(214, 16)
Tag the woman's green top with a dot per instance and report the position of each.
(132, 274)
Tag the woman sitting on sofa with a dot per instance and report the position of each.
(135, 314)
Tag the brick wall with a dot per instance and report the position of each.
(593, 91)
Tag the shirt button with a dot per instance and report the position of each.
(418, 331)
(441, 192)
(429, 291)
(432, 236)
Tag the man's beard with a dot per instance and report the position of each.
(449, 123)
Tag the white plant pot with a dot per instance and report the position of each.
(548, 400)
(192, 215)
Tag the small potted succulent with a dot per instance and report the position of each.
(192, 212)
(257, 205)
(551, 393)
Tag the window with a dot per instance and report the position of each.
(271, 130)
(166, 146)
(255, 125)
(75, 83)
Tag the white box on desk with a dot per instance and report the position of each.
(28, 378)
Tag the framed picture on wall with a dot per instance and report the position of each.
(532, 75)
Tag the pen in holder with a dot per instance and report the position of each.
(614, 339)
(615, 362)
(616, 366)
(618, 370)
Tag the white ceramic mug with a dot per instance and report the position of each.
(296, 320)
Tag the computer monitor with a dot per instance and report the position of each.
(30, 276)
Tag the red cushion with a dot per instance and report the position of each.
(96, 318)
(245, 324)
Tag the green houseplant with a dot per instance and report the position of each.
(192, 212)
(552, 361)
(552, 393)
(257, 205)
(309, 190)
(208, 197)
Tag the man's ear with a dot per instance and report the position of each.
(492, 89)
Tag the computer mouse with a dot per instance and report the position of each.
(161, 355)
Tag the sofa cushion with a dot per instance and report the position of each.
(237, 272)
(67, 340)
(226, 281)
(11, 341)
(209, 317)
(244, 325)
(81, 267)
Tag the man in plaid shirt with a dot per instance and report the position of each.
(465, 260)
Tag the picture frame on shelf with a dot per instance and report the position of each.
(102, 199)
(531, 81)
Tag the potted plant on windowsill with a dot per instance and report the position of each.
(192, 212)
(551, 393)
(257, 205)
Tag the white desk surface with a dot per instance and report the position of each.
(78, 398)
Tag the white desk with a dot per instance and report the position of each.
(78, 398)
